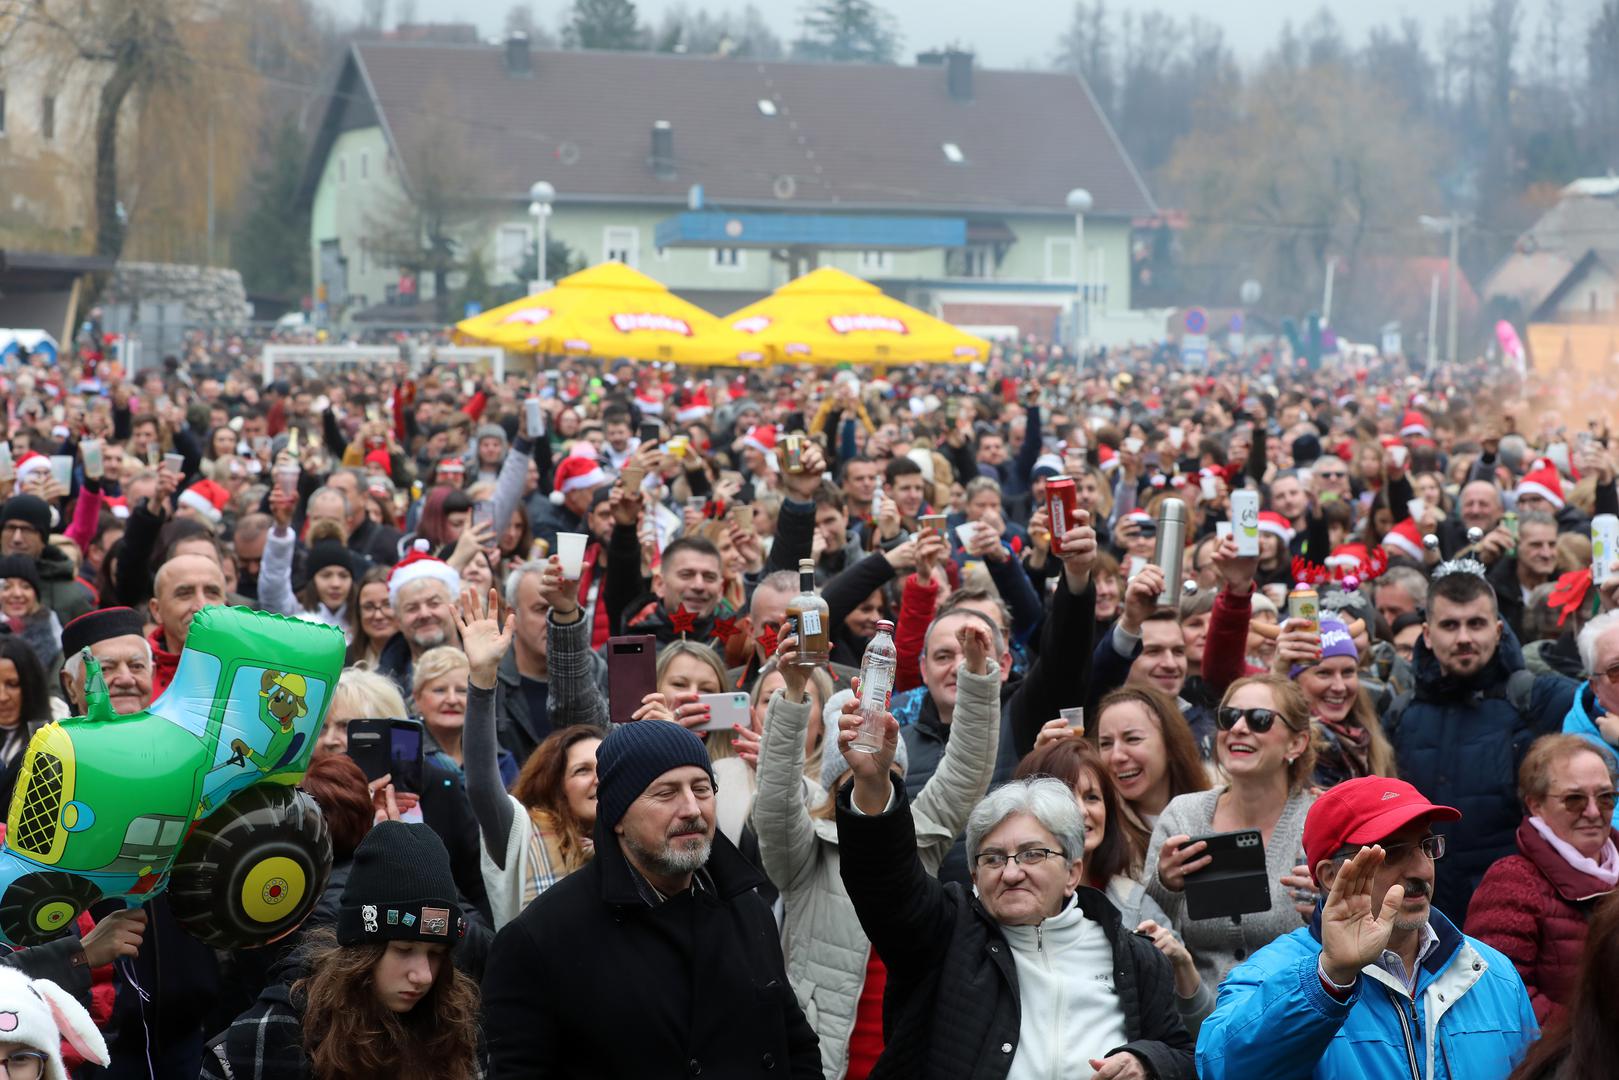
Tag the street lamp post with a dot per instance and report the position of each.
(540, 197)
(1079, 201)
(1453, 225)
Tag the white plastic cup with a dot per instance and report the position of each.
(174, 462)
(62, 470)
(1075, 717)
(571, 552)
(966, 532)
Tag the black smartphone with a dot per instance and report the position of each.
(632, 674)
(388, 747)
(650, 432)
(1235, 882)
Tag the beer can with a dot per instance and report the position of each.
(1303, 603)
(1604, 546)
(1062, 508)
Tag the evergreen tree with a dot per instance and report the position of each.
(272, 241)
(848, 30)
(603, 24)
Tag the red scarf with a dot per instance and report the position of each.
(600, 631)
(163, 663)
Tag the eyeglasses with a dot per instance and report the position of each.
(24, 1065)
(997, 860)
(1575, 802)
(1259, 720)
(1612, 675)
(376, 609)
(1431, 846)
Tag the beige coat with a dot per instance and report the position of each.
(825, 948)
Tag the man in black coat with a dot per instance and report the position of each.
(1030, 965)
(657, 959)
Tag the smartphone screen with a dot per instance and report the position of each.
(649, 432)
(405, 756)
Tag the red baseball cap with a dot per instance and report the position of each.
(1365, 811)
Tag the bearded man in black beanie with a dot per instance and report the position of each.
(658, 958)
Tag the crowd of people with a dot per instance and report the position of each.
(1392, 725)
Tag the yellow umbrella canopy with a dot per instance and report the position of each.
(832, 317)
(610, 310)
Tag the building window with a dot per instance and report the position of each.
(726, 259)
(972, 261)
(47, 117)
(1060, 259)
(365, 164)
(365, 256)
(512, 244)
(621, 243)
(876, 262)
(342, 169)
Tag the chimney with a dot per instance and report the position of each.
(519, 62)
(663, 150)
(958, 68)
(931, 58)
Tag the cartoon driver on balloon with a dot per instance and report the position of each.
(281, 705)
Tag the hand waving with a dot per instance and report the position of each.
(1355, 923)
(483, 638)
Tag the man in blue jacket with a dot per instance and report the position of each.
(1380, 984)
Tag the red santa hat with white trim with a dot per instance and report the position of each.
(696, 407)
(1275, 524)
(1404, 539)
(1543, 480)
(31, 462)
(1414, 423)
(579, 470)
(761, 437)
(206, 498)
(420, 565)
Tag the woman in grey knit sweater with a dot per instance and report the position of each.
(1263, 748)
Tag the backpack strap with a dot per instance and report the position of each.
(1520, 689)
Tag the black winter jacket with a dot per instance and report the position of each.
(590, 982)
(951, 1007)
(1460, 742)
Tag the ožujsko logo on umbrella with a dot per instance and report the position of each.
(629, 323)
(851, 324)
(754, 324)
(531, 316)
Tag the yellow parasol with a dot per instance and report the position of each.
(831, 317)
(610, 310)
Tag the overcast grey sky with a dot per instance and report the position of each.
(1014, 33)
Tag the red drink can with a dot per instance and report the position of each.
(1062, 508)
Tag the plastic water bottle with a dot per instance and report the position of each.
(876, 680)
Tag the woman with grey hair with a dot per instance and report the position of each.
(1031, 972)
(830, 963)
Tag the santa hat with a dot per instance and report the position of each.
(206, 498)
(31, 462)
(1275, 524)
(451, 465)
(1404, 539)
(1349, 557)
(118, 504)
(1138, 516)
(650, 402)
(419, 565)
(1543, 480)
(761, 437)
(381, 460)
(578, 471)
(1106, 458)
(695, 409)
(1414, 423)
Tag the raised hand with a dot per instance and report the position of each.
(1141, 598)
(1299, 643)
(1179, 857)
(871, 784)
(483, 637)
(976, 646)
(795, 676)
(1355, 923)
(1236, 571)
(1078, 552)
(556, 590)
(1054, 731)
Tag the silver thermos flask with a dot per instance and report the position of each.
(1170, 553)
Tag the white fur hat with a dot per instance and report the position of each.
(38, 1014)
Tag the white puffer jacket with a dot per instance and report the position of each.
(825, 948)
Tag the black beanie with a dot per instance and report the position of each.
(634, 755)
(327, 553)
(1306, 448)
(97, 626)
(400, 889)
(31, 510)
(21, 566)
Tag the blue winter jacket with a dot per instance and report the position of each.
(1471, 1019)
(1579, 721)
(1460, 741)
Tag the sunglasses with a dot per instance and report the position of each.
(1259, 720)
(1575, 802)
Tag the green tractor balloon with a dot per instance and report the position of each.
(196, 795)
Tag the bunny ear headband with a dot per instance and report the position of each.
(38, 1014)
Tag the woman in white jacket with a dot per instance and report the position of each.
(829, 959)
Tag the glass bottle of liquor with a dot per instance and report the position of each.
(809, 615)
